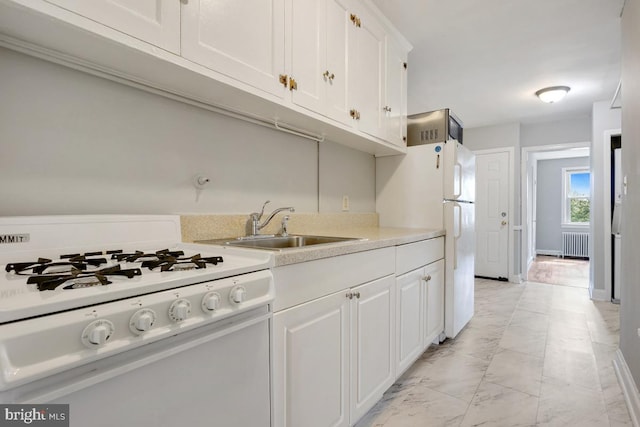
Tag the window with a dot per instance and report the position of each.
(577, 196)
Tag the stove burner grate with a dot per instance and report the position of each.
(138, 256)
(177, 264)
(74, 271)
(79, 279)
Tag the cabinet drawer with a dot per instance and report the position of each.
(306, 281)
(414, 255)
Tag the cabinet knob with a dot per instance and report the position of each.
(356, 21)
(355, 114)
(357, 294)
(387, 108)
(350, 295)
(293, 85)
(427, 278)
(328, 75)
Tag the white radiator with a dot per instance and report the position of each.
(575, 244)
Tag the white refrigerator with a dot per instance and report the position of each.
(433, 186)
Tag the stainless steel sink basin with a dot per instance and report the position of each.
(280, 242)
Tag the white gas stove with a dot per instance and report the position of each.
(76, 261)
(88, 298)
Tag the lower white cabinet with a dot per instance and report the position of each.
(419, 312)
(409, 314)
(433, 301)
(334, 356)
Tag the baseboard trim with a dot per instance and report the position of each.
(599, 295)
(628, 386)
(516, 278)
(551, 252)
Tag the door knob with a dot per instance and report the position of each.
(503, 222)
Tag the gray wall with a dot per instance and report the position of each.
(562, 131)
(549, 203)
(630, 298)
(72, 143)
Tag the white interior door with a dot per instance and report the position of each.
(492, 215)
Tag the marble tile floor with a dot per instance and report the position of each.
(533, 355)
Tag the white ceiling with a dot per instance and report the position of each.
(485, 59)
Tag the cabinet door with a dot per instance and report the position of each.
(319, 56)
(409, 308)
(154, 21)
(336, 83)
(373, 339)
(308, 53)
(241, 39)
(396, 95)
(311, 356)
(434, 301)
(367, 75)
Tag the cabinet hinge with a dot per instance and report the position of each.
(356, 20)
(283, 79)
(288, 82)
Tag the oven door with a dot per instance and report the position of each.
(214, 375)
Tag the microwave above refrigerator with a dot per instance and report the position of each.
(433, 127)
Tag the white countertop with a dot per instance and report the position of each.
(375, 238)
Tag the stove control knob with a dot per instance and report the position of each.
(142, 321)
(237, 294)
(180, 310)
(97, 333)
(210, 302)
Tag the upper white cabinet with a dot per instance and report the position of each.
(318, 38)
(395, 108)
(326, 69)
(367, 47)
(154, 21)
(241, 39)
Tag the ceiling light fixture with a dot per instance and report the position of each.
(552, 94)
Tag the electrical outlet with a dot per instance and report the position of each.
(345, 203)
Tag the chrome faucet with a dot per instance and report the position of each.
(255, 218)
(285, 226)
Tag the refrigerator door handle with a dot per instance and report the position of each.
(457, 226)
(457, 179)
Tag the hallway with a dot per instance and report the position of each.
(534, 354)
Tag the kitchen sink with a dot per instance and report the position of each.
(280, 242)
